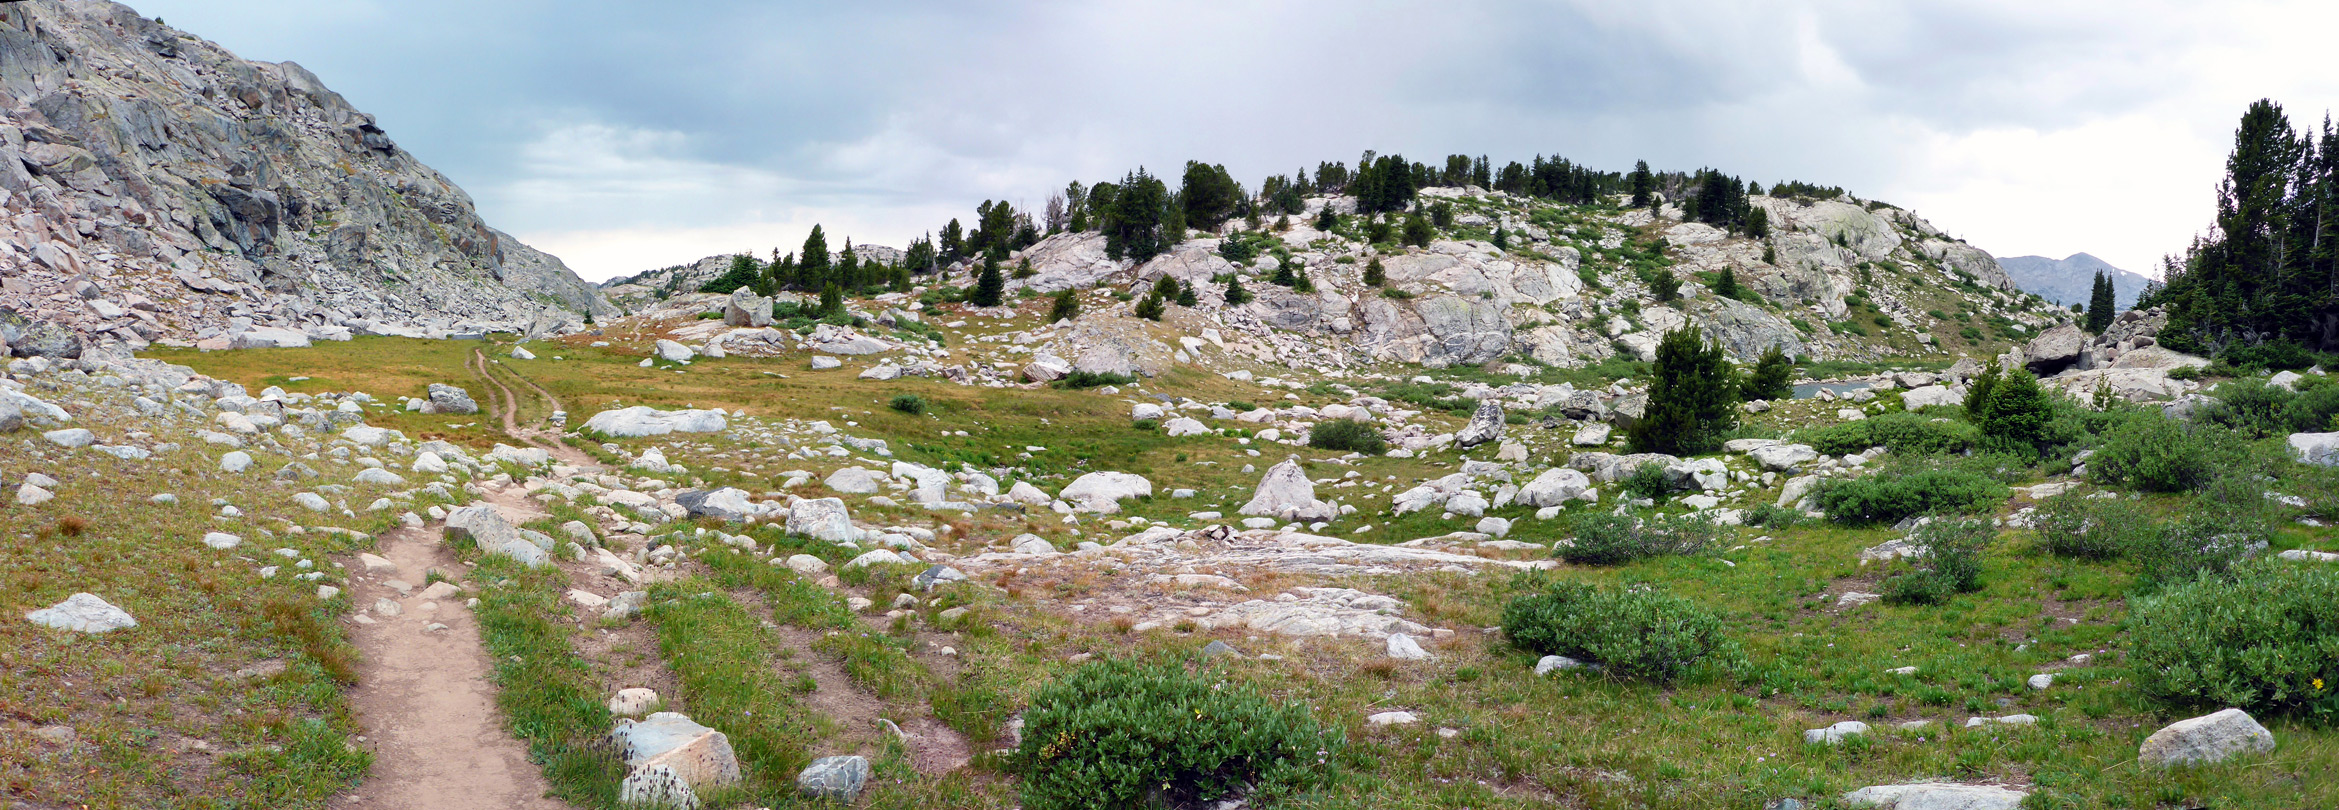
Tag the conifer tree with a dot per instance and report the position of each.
(832, 300)
(2100, 304)
(1165, 287)
(1374, 274)
(1773, 377)
(812, 270)
(1727, 285)
(1502, 239)
(1644, 185)
(1300, 282)
(1066, 306)
(1693, 397)
(990, 288)
(1665, 286)
(1235, 294)
(1186, 296)
(1327, 219)
(1150, 307)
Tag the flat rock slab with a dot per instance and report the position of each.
(83, 613)
(1935, 796)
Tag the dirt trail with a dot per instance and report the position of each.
(425, 700)
(508, 409)
(423, 694)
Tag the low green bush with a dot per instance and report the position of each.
(1347, 435)
(1889, 498)
(2091, 528)
(1772, 516)
(1145, 425)
(1951, 563)
(1634, 633)
(2264, 640)
(1089, 379)
(1904, 434)
(1125, 734)
(1607, 538)
(2249, 407)
(2159, 454)
(1647, 481)
(908, 403)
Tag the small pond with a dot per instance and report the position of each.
(1809, 390)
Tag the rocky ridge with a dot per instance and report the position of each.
(156, 187)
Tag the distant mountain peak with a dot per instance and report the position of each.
(2070, 280)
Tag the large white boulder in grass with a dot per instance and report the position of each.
(1930, 395)
(643, 420)
(268, 338)
(370, 436)
(83, 613)
(1185, 426)
(494, 535)
(701, 757)
(2320, 449)
(1555, 487)
(1287, 494)
(673, 352)
(856, 481)
(1784, 457)
(823, 519)
(2204, 739)
(1103, 491)
(1935, 796)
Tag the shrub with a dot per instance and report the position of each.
(1150, 308)
(1905, 434)
(1395, 294)
(2312, 410)
(1772, 516)
(1347, 435)
(2263, 640)
(1066, 306)
(1641, 634)
(1235, 294)
(1607, 538)
(1238, 250)
(2090, 528)
(1114, 732)
(1648, 481)
(2011, 408)
(1951, 563)
(908, 403)
(1090, 379)
(1240, 406)
(2157, 454)
(2250, 407)
(1889, 498)
(2272, 355)
(1145, 425)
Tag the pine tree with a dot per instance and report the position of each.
(1023, 268)
(1502, 239)
(1374, 274)
(1665, 286)
(1066, 307)
(1417, 230)
(1186, 296)
(1327, 219)
(1644, 185)
(1284, 275)
(1300, 282)
(812, 270)
(832, 300)
(990, 288)
(2101, 304)
(1150, 308)
(1727, 285)
(1235, 294)
(1165, 287)
(1693, 397)
(1773, 377)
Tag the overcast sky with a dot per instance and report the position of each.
(623, 136)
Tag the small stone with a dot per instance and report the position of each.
(633, 702)
(1393, 719)
(1218, 648)
(834, 778)
(1403, 648)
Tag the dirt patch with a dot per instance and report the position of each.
(424, 698)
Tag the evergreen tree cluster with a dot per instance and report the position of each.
(1693, 397)
(1722, 201)
(2266, 272)
(1558, 179)
(1384, 184)
(2100, 304)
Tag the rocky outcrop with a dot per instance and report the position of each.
(139, 164)
(1287, 494)
(2205, 739)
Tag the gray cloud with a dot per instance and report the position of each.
(629, 134)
